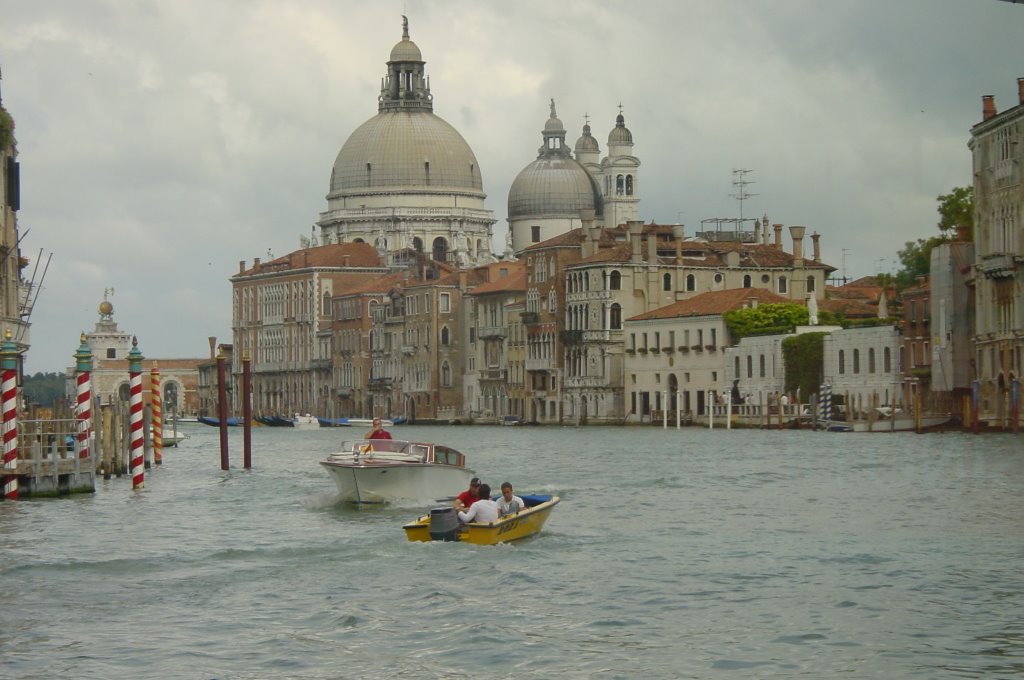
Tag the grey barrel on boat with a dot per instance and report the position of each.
(444, 524)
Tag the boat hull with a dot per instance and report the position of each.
(383, 482)
(507, 529)
(901, 424)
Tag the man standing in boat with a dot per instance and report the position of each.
(378, 431)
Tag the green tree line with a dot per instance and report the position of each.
(43, 388)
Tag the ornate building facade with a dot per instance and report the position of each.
(997, 147)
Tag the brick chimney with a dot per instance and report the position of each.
(757, 231)
(988, 106)
(256, 264)
(764, 229)
(778, 235)
(635, 228)
(817, 246)
(589, 236)
(797, 234)
(241, 266)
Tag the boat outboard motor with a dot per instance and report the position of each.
(444, 524)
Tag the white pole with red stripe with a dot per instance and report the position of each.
(9, 357)
(83, 410)
(135, 401)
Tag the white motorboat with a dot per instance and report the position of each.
(305, 422)
(888, 421)
(396, 471)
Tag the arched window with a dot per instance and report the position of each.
(842, 362)
(736, 369)
(782, 284)
(446, 374)
(887, 360)
(629, 185)
(871, 360)
(440, 250)
(666, 282)
(746, 281)
(620, 185)
(762, 365)
(750, 366)
(856, 361)
(810, 284)
(417, 244)
(615, 317)
(615, 281)
(691, 282)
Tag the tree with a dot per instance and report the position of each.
(955, 209)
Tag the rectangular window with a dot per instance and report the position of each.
(535, 233)
(111, 353)
(445, 302)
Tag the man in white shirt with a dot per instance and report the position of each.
(509, 504)
(484, 510)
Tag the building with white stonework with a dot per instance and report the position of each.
(997, 148)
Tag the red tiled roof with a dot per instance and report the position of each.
(714, 302)
(513, 283)
(332, 255)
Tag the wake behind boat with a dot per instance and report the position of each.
(442, 524)
(396, 471)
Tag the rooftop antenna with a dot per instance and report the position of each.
(740, 181)
(845, 253)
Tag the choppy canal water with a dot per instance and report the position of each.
(688, 554)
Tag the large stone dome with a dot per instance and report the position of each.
(397, 149)
(553, 186)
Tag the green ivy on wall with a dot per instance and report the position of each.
(803, 356)
(6, 128)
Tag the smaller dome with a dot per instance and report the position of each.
(554, 125)
(620, 134)
(406, 50)
(587, 143)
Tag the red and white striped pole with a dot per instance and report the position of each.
(135, 408)
(9, 357)
(83, 411)
(158, 426)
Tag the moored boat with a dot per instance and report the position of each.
(887, 421)
(305, 422)
(215, 422)
(442, 524)
(396, 471)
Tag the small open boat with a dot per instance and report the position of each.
(442, 524)
(215, 422)
(395, 471)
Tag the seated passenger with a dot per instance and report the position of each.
(509, 504)
(483, 510)
(469, 496)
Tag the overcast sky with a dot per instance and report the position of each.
(163, 142)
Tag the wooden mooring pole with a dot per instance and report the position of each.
(222, 410)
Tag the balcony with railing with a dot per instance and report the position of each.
(494, 374)
(540, 364)
(485, 332)
(602, 336)
(1000, 265)
(573, 337)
